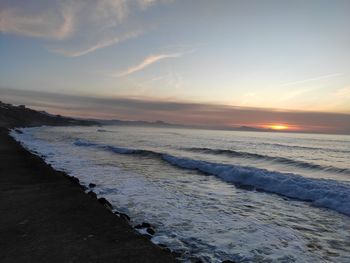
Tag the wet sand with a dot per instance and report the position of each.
(45, 217)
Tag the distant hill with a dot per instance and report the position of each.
(138, 123)
(248, 128)
(20, 116)
(172, 125)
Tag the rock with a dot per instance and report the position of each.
(83, 187)
(91, 185)
(150, 231)
(104, 201)
(164, 247)
(228, 261)
(147, 236)
(176, 254)
(92, 194)
(143, 225)
(74, 180)
(124, 216)
(62, 174)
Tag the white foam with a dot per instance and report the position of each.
(197, 215)
(321, 192)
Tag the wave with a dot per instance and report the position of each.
(115, 149)
(103, 130)
(283, 160)
(305, 147)
(321, 192)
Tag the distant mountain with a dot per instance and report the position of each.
(137, 123)
(172, 125)
(20, 116)
(249, 128)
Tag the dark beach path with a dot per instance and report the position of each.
(44, 217)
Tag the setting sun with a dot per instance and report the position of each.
(278, 127)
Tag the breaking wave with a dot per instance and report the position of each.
(115, 149)
(320, 192)
(283, 160)
(305, 147)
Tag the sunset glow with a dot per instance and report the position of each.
(136, 60)
(278, 127)
(281, 127)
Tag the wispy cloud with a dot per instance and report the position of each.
(148, 61)
(48, 24)
(76, 27)
(291, 83)
(343, 92)
(103, 43)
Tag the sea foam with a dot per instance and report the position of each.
(276, 159)
(321, 192)
(219, 222)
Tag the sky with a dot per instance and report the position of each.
(216, 63)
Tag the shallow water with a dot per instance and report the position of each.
(216, 195)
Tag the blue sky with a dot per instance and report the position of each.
(285, 55)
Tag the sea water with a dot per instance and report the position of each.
(216, 195)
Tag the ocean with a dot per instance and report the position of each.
(215, 195)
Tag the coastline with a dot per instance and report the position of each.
(46, 216)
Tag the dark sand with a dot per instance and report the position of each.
(44, 217)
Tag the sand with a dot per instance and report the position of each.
(45, 217)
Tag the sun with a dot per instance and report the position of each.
(278, 127)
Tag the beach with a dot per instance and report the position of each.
(46, 217)
(75, 191)
(214, 195)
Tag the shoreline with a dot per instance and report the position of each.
(47, 216)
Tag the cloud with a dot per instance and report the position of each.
(148, 61)
(201, 114)
(103, 43)
(49, 24)
(291, 83)
(146, 3)
(76, 27)
(343, 92)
